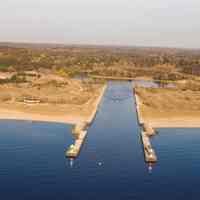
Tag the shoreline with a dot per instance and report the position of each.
(96, 105)
(78, 115)
(117, 78)
(166, 122)
(137, 78)
(177, 122)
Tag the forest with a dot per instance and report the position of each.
(132, 62)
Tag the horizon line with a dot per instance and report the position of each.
(92, 45)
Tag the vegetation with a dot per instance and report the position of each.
(157, 63)
(3, 66)
(16, 78)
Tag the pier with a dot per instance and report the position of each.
(80, 135)
(147, 131)
(137, 105)
(80, 130)
(149, 153)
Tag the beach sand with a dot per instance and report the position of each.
(65, 113)
(169, 108)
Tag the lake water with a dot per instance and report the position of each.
(111, 163)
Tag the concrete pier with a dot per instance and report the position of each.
(96, 106)
(147, 131)
(74, 149)
(137, 104)
(80, 130)
(149, 152)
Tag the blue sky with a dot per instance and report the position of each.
(113, 22)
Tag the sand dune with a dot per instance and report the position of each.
(169, 107)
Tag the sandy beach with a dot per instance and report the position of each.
(174, 122)
(66, 113)
(168, 109)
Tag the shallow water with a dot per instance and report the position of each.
(154, 84)
(111, 164)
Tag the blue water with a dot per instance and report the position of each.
(111, 164)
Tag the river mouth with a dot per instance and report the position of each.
(111, 163)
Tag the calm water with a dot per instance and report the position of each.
(111, 164)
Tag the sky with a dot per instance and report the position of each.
(170, 23)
